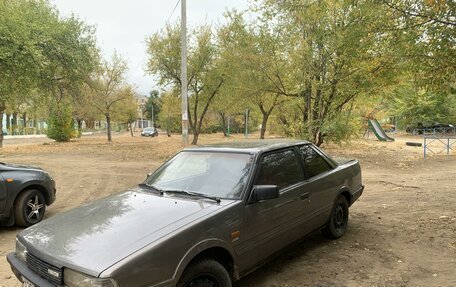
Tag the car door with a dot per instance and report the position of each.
(270, 225)
(322, 184)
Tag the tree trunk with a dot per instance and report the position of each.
(90, 124)
(108, 126)
(198, 123)
(14, 123)
(35, 122)
(168, 133)
(264, 122)
(2, 110)
(318, 140)
(24, 123)
(79, 121)
(131, 129)
(222, 117)
(8, 122)
(195, 138)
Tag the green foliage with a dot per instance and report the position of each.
(205, 77)
(429, 43)
(414, 106)
(170, 115)
(61, 124)
(153, 104)
(109, 88)
(126, 111)
(313, 59)
(41, 55)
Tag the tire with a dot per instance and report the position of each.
(338, 221)
(29, 207)
(205, 273)
(413, 144)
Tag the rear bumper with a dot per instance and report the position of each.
(355, 195)
(20, 269)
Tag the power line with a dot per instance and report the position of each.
(177, 4)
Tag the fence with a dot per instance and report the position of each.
(435, 131)
(441, 144)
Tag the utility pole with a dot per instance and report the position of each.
(184, 71)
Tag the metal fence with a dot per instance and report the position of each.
(450, 131)
(438, 144)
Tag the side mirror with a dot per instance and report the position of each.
(148, 175)
(264, 192)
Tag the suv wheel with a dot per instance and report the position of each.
(29, 207)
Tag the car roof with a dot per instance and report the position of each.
(248, 146)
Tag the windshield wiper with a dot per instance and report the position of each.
(151, 187)
(191, 193)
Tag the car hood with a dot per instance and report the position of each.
(92, 237)
(10, 166)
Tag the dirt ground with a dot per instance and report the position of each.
(402, 231)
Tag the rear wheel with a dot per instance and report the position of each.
(29, 207)
(205, 273)
(338, 221)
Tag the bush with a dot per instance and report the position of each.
(61, 125)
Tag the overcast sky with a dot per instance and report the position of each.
(123, 25)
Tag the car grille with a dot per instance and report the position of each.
(45, 270)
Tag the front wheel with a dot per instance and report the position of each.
(338, 221)
(205, 273)
(29, 207)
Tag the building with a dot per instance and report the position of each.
(141, 122)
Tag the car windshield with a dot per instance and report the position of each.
(218, 174)
(149, 129)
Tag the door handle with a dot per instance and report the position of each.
(304, 196)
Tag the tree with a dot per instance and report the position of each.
(204, 77)
(430, 43)
(61, 124)
(331, 53)
(126, 111)
(153, 106)
(170, 116)
(83, 108)
(427, 91)
(109, 88)
(252, 53)
(41, 51)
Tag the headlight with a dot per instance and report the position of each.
(21, 251)
(72, 278)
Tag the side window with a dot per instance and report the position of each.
(313, 162)
(280, 168)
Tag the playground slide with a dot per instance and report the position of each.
(375, 126)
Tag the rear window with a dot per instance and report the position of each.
(314, 163)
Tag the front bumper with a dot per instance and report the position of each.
(51, 191)
(21, 270)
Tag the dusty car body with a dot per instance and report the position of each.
(24, 193)
(206, 217)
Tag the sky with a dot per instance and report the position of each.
(122, 26)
